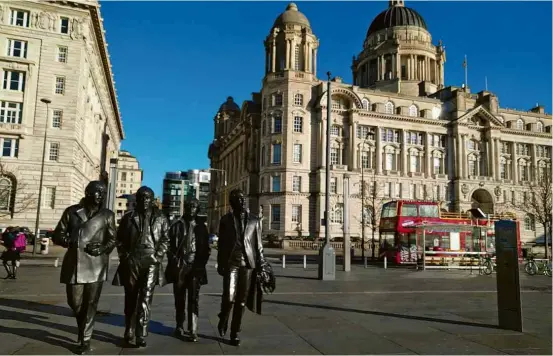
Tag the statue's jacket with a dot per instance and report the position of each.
(188, 250)
(74, 231)
(253, 246)
(128, 239)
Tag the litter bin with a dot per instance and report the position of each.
(44, 242)
(525, 253)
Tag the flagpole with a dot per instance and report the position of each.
(465, 65)
(486, 78)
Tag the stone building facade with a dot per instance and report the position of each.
(56, 51)
(414, 137)
(129, 179)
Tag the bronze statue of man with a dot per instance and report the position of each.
(87, 230)
(142, 242)
(187, 257)
(240, 253)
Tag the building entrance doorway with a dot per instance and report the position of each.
(483, 200)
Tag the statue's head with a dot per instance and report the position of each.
(144, 198)
(95, 193)
(191, 208)
(237, 200)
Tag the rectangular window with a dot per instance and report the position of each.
(278, 99)
(472, 168)
(49, 197)
(412, 189)
(263, 156)
(10, 113)
(333, 185)
(57, 116)
(277, 124)
(365, 159)
(334, 155)
(297, 152)
(298, 124)
(296, 213)
(437, 165)
(54, 151)
(388, 189)
(365, 132)
(397, 190)
(64, 25)
(275, 184)
(124, 176)
(10, 147)
(296, 184)
(62, 54)
(17, 48)
(14, 80)
(337, 214)
(276, 153)
(60, 85)
(19, 18)
(275, 213)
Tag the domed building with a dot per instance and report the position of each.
(411, 136)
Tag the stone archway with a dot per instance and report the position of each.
(482, 199)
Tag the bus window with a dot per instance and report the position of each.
(389, 210)
(428, 211)
(409, 210)
(387, 240)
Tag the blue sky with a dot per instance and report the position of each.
(175, 62)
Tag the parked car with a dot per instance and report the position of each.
(213, 239)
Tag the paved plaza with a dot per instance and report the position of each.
(366, 311)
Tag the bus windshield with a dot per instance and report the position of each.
(429, 211)
(389, 210)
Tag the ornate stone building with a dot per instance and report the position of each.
(54, 50)
(414, 137)
(129, 179)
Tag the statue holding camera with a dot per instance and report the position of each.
(87, 230)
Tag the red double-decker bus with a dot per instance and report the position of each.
(400, 219)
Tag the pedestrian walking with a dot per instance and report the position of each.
(14, 242)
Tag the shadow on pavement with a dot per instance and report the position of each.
(101, 317)
(40, 335)
(392, 315)
(294, 277)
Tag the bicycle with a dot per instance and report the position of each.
(532, 267)
(486, 265)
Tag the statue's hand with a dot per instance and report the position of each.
(94, 249)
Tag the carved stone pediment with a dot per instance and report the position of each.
(481, 113)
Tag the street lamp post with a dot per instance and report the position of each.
(327, 255)
(363, 212)
(47, 102)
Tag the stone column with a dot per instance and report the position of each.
(347, 242)
(287, 62)
(497, 158)
(404, 171)
(464, 157)
(313, 59)
(428, 163)
(379, 68)
(306, 61)
(352, 161)
(273, 57)
(534, 169)
(408, 67)
(398, 65)
(393, 66)
(514, 163)
(491, 158)
(378, 150)
(383, 67)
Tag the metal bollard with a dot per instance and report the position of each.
(56, 262)
(283, 261)
(365, 262)
(385, 262)
(304, 261)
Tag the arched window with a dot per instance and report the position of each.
(389, 107)
(539, 126)
(6, 192)
(365, 103)
(413, 111)
(520, 124)
(298, 99)
(415, 161)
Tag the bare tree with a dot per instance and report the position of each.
(536, 203)
(371, 208)
(14, 198)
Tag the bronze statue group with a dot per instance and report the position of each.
(143, 239)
